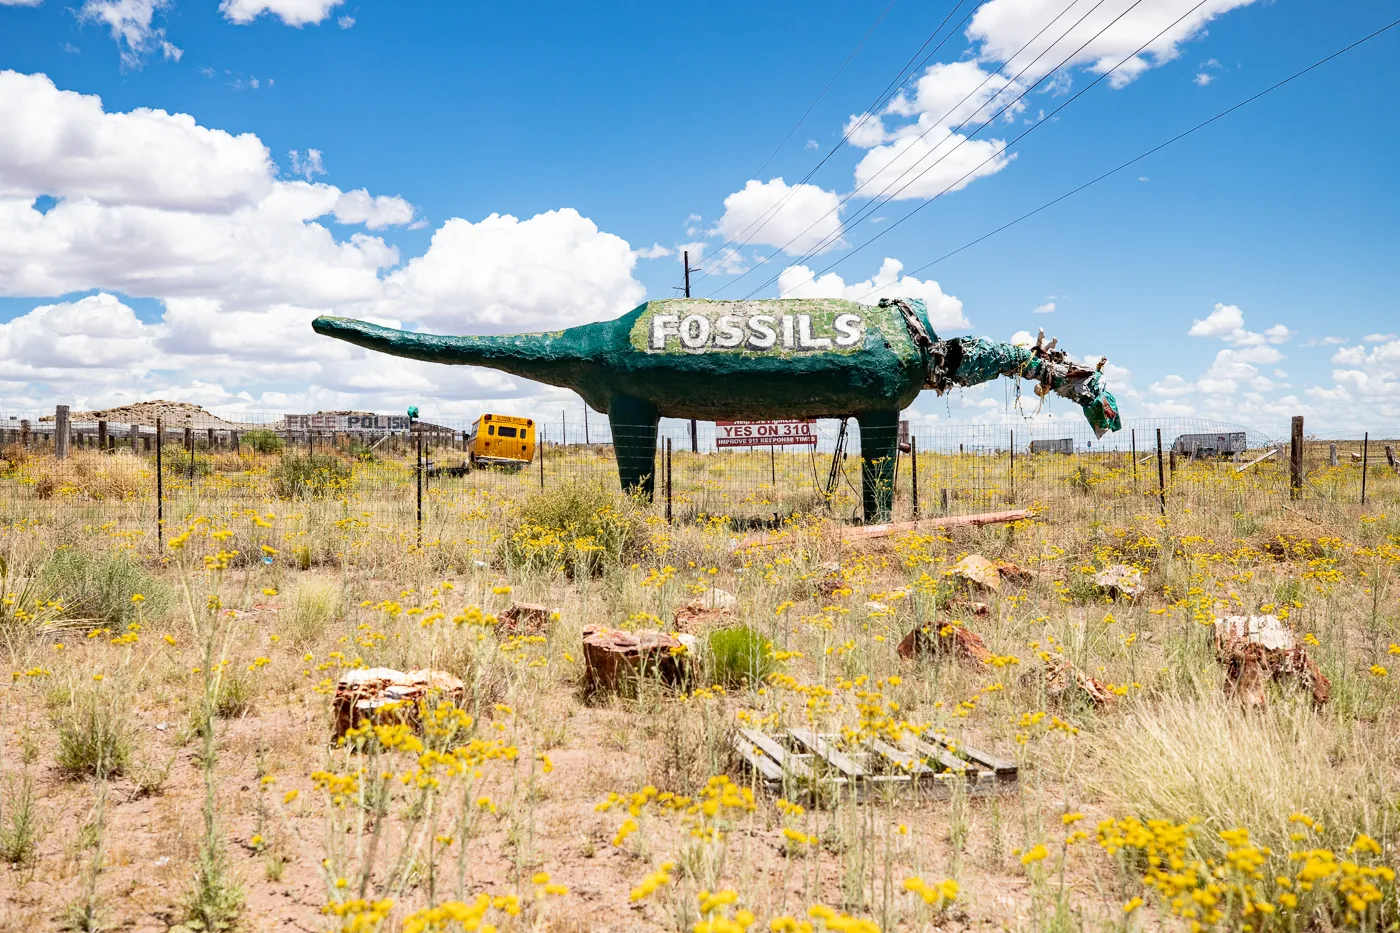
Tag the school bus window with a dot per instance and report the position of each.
(491, 429)
(507, 432)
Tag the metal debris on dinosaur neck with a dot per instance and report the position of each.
(778, 358)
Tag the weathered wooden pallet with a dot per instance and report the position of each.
(802, 763)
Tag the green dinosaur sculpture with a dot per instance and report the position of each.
(789, 358)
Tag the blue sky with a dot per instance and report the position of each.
(1275, 228)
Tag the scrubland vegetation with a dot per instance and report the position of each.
(167, 756)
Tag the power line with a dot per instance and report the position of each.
(1155, 149)
(816, 100)
(879, 103)
(1032, 128)
(869, 209)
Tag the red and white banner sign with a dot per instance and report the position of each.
(765, 433)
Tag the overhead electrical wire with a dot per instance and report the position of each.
(1155, 149)
(934, 125)
(816, 100)
(879, 103)
(1032, 128)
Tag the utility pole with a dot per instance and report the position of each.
(694, 441)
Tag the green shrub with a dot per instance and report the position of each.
(235, 696)
(739, 655)
(92, 739)
(262, 440)
(175, 462)
(574, 528)
(313, 611)
(361, 451)
(99, 587)
(314, 475)
(19, 822)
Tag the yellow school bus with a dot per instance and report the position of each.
(501, 440)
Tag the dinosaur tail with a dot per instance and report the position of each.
(542, 357)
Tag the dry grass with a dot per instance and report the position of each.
(343, 582)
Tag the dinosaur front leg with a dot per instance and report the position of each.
(879, 437)
(633, 422)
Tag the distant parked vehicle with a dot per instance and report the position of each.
(501, 441)
(1210, 446)
(1059, 445)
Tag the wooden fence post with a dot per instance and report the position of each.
(101, 435)
(60, 432)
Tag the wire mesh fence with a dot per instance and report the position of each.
(403, 474)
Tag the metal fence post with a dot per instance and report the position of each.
(160, 488)
(1161, 476)
(1365, 461)
(1295, 460)
(668, 481)
(420, 486)
(541, 456)
(914, 475)
(1133, 455)
(1013, 466)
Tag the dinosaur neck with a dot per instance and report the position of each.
(556, 358)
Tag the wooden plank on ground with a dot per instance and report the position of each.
(1272, 452)
(790, 763)
(843, 762)
(908, 761)
(869, 532)
(940, 754)
(987, 760)
(755, 756)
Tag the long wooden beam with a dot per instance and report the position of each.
(868, 532)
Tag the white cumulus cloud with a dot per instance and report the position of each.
(795, 218)
(291, 12)
(374, 211)
(1004, 26)
(1227, 323)
(63, 144)
(153, 205)
(131, 23)
(945, 312)
(552, 270)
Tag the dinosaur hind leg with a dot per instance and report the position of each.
(633, 422)
(879, 438)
